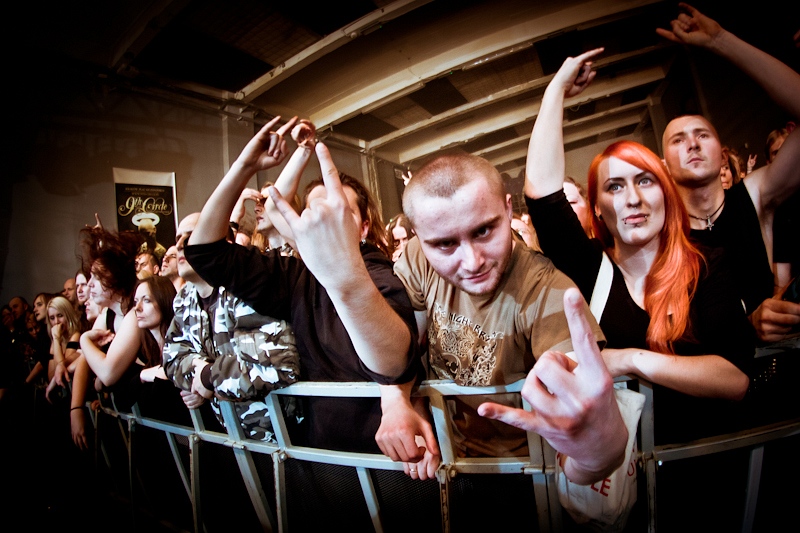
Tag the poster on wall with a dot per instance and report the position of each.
(146, 203)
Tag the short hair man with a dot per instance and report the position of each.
(146, 265)
(169, 267)
(739, 220)
(19, 306)
(70, 292)
(493, 308)
(218, 347)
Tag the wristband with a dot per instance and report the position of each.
(234, 225)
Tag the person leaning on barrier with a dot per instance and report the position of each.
(672, 316)
(496, 312)
(219, 348)
(351, 317)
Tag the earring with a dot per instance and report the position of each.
(363, 242)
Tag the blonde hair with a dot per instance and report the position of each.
(63, 306)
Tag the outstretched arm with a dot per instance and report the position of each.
(781, 83)
(573, 406)
(328, 241)
(545, 167)
(265, 150)
(704, 376)
(287, 184)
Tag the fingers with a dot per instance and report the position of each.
(287, 211)
(514, 417)
(584, 57)
(330, 175)
(667, 35)
(584, 343)
(429, 437)
(283, 130)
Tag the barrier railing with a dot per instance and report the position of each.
(271, 506)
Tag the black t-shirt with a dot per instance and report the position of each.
(283, 288)
(738, 232)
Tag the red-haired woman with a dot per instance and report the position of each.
(666, 299)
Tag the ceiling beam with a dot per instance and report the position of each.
(327, 45)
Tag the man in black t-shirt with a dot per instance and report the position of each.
(740, 221)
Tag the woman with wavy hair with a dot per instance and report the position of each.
(109, 257)
(134, 352)
(666, 299)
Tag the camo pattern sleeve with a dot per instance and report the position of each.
(255, 354)
(188, 338)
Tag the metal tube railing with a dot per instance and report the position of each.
(540, 464)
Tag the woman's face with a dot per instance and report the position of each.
(39, 310)
(148, 315)
(399, 237)
(578, 204)
(92, 310)
(630, 201)
(81, 288)
(56, 317)
(318, 193)
(97, 292)
(725, 176)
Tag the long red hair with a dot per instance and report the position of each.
(672, 281)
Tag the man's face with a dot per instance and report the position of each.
(18, 308)
(81, 288)
(146, 263)
(69, 290)
(169, 265)
(185, 229)
(467, 237)
(692, 152)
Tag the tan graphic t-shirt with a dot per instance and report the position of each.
(489, 340)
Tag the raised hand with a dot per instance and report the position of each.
(326, 232)
(267, 148)
(692, 28)
(239, 209)
(751, 162)
(573, 406)
(576, 73)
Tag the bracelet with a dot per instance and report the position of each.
(234, 225)
(78, 407)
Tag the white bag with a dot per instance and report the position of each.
(605, 505)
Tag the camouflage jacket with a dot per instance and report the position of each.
(250, 354)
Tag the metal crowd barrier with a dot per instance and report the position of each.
(270, 502)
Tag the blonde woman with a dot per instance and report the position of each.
(64, 327)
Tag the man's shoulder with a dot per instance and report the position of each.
(531, 269)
